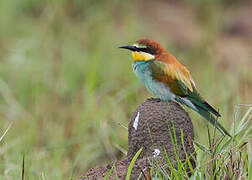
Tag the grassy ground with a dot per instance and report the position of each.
(66, 91)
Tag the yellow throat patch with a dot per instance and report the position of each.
(142, 56)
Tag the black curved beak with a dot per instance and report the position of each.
(132, 48)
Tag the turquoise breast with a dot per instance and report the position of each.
(144, 73)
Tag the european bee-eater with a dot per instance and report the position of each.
(166, 78)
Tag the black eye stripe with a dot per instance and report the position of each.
(147, 50)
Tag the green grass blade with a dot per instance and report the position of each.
(158, 169)
(110, 171)
(218, 144)
(132, 163)
(187, 157)
(246, 115)
(250, 170)
(203, 148)
(5, 132)
(243, 124)
(171, 168)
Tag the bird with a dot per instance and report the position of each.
(166, 78)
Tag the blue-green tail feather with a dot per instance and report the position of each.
(205, 111)
(213, 120)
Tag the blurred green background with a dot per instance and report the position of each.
(67, 92)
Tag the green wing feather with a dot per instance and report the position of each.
(183, 87)
(172, 76)
(179, 84)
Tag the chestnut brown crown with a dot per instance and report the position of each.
(154, 46)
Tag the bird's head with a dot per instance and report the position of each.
(144, 50)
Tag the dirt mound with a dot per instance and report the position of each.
(151, 128)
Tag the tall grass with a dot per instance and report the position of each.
(224, 158)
